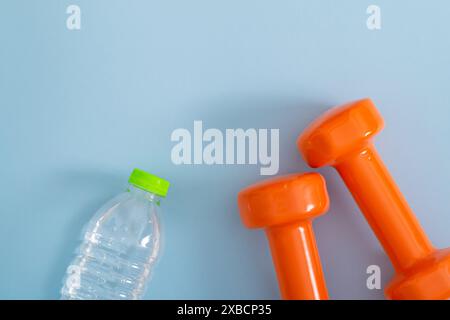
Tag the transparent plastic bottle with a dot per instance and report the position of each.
(120, 245)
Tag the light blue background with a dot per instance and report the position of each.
(80, 109)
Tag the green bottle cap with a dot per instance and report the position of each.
(149, 182)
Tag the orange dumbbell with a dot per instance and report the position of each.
(342, 138)
(285, 206)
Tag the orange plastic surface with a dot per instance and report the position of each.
(342, 137)
(285, 207)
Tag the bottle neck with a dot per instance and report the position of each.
(135, 191)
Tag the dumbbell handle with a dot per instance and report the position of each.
(297, 262)
(384, 207)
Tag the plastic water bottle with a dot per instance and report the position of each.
(120, 245)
